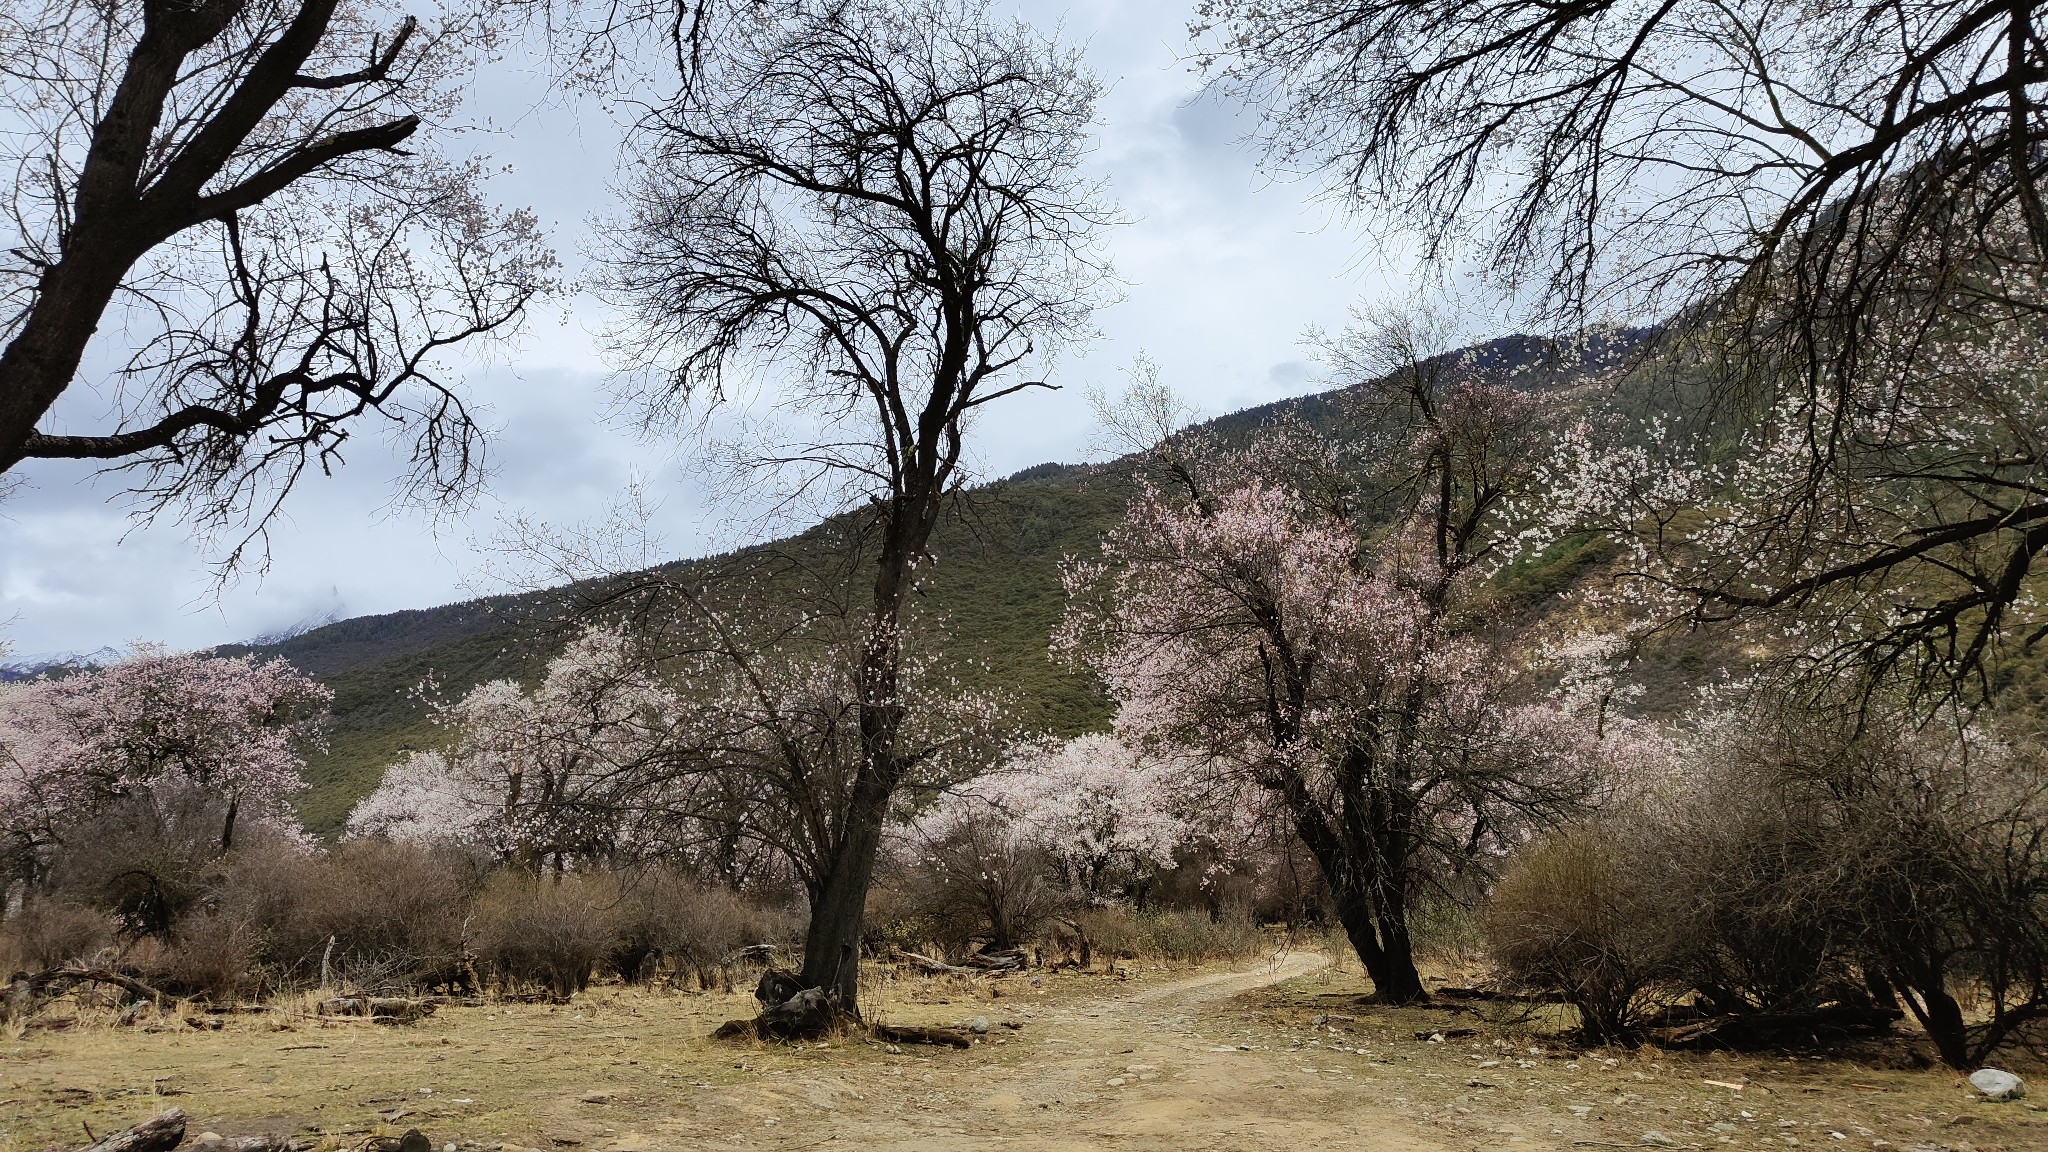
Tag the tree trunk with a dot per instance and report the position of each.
(227, 827)
(1942, 1018)
(1384, 948)
(832, 943)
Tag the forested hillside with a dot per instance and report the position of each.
(995, 581)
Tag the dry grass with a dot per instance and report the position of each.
(1147, 1058)
(1517, 1083)
(506, 1073)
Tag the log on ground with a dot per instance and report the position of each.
(914, 1034)
(160, 1133)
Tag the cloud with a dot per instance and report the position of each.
(1223, 269)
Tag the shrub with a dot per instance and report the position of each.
(673, 917)
(1175, 935)
(1571, 915)
(49, 933)
(393, 912)
(1191, 936)
(975, 875)
(213, 955)
(148, 858)
(550, 931)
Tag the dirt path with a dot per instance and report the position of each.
(1158, 1068)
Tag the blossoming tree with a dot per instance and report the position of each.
(555, 775)
(71, 745)
(1257, 608)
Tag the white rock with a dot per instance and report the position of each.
(978, 1025)
(1657, 1139)
(1996, 1084)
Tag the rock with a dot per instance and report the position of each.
(1997, 1084)
(413, 1141)
(596, 1097)
(208, 1138)
(1656, 1139)
(978, 1025)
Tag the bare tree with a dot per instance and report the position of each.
(880, 208)
(223, 190)
(1834, 198)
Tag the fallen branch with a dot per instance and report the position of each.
(1495, 994)
(1778, 1028)
(915, 1034)
(159, 1133)
(931, 967)
(1008, 960)
(377, 1007)
(26, 993)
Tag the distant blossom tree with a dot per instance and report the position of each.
(564, 773)
(1107, 815)
(69, 746)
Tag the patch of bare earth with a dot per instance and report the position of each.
(1272, 1055)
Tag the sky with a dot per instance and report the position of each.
(1223, 269)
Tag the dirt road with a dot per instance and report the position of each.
(1151, 1069)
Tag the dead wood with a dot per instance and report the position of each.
(28, 993)
(1496, 994)
(377, 1007)
(1007, 960)
(738, 1030)
(159, 1133)
(1777, 1029)
(915, 1034)
(931, 967)
(271, 1143)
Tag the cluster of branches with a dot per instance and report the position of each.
(234, 190)
(1835, 213)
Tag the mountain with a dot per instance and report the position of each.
(995, 582)
(56, 663)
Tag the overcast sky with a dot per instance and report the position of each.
(1223, 270)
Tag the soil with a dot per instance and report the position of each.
(1278, 1054)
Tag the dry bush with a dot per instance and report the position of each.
(672, 917)
(971, 877)
(213, 955)
(1444, 931)
(894, 919)
(1571, 915)
(548, 931)
(49, 933)
(149, 858)
(1174, 935)
(1761, 929)
(1844, 852)
(1193, 935)
(394, 913)
(1110, 932)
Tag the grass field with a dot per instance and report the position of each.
(1263, 1055)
